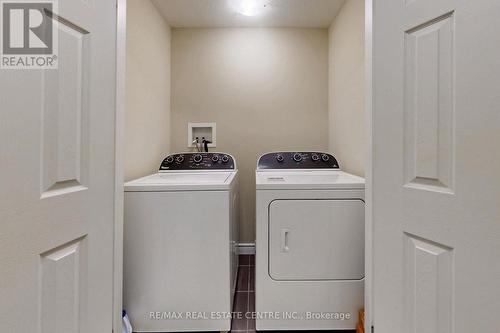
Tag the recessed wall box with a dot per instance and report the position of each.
(201, 130)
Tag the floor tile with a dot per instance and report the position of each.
(243, 276)
(251, 279)
(244, 301)
(251, 309)
(251, 301)
(241, 302)
(240, 322)
(244, 259)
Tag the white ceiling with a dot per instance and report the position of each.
(272, 13)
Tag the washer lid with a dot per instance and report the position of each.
(182, 181)
(307, 179)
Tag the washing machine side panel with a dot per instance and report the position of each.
(301, 298)
(234, 228)
(176, 258)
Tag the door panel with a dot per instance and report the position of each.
(316, 239)
(429, 131)
(65, 112)
(63, 287)
(57, 180)
(429, 275)
(436, 185)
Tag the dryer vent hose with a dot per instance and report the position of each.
(205, 144)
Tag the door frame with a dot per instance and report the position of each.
(121, 29)
(369, 324)
(119, 173)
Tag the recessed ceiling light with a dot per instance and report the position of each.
(248, 7)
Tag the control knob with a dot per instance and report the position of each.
(280, 158)
(169, 159)
(197, 158)
(325, 157)
(215, 158)
(225, 159)
(179, 159)
(297, 157)
(315, 157)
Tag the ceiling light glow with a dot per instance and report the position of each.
(248, 7)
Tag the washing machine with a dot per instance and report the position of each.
(309, 243)
(180, 244)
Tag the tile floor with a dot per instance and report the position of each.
(244, 300)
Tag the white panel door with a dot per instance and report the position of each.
(57, 180)
(436, 166)
(317, 239)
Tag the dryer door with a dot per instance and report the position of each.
(316, 239)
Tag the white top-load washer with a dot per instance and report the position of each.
(180, 244)
(309, 243)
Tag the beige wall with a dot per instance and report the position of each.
(346, 87)
(147, 118)
(267, 89)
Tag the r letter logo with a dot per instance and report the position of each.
(29, 35)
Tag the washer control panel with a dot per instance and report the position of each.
(297, 160)
(198, 161)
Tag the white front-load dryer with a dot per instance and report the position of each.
(309, 243)
(180, 244)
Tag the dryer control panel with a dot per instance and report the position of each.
(297, 160)
(198, 161)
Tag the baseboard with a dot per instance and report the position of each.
(246, 248)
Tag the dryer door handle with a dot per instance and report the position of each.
(284, 240)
